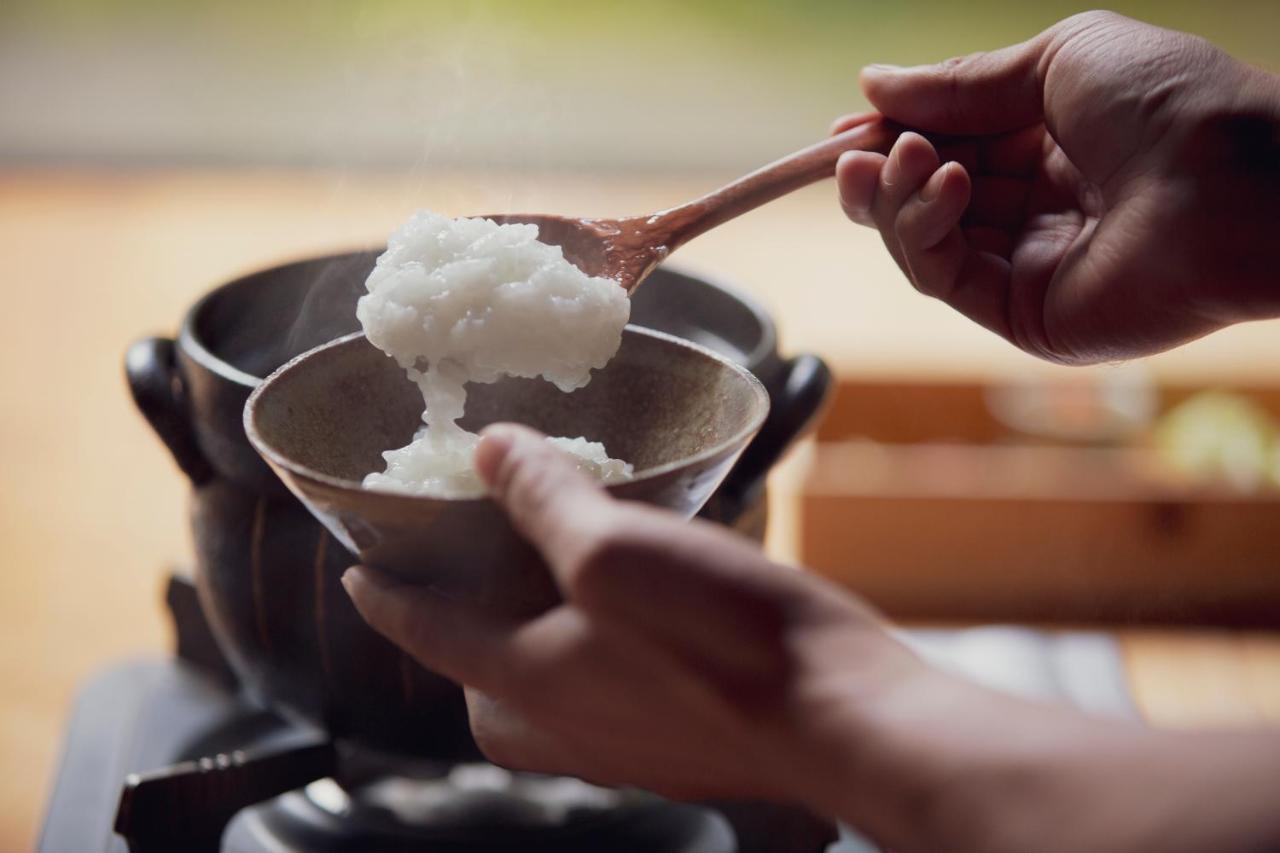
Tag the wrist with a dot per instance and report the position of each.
(884, 753)
(945, 757)
(939, 763)
(1228, 156)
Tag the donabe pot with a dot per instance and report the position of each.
(268, 573)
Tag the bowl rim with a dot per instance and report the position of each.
(280, 461)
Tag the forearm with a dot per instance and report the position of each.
(947, 765)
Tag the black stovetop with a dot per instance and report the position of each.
(169, 753)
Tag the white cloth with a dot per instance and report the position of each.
(1083, 669)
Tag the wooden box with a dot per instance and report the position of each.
(921, 500)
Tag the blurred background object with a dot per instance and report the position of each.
(403, 84)
(1095, 496)
(1222, 437)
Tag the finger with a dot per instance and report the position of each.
(560, 510)
(508, 739)
(705, 595)
(454, 639)
(977, 94)
(979, 289)
(857, 174)
(910, 163)
(852, 120)
(934, 212)
(939, 259)
(973, 282)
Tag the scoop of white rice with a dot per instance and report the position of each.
(469, 300)
(439, 463)
(491, 300)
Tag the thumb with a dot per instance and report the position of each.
(979, 94)
(560, 510)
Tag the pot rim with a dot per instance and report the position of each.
(740, 437)
(189, 341)
(767, 346)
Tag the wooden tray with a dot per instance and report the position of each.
(918, 498)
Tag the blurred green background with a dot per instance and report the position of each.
(551, 84)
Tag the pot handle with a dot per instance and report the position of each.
(797, 402)
(161, 396)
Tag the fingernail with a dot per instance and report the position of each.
(933, 186)
(495, 443)
(892, 164)
(362, 576)
(499, 437)
(882, 68)
(350, 581)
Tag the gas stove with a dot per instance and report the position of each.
(170, 755)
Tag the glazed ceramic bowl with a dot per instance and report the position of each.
(678, 412)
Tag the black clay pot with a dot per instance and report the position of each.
(267, 572)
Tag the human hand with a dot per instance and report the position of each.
(1112, 188)
(684, 662)
(681, 660)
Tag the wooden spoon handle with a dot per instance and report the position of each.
(780, 177)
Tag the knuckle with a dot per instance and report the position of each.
(600, 551)
(1088, 19)
(953, 74)
(957, 66)
(1079, 29)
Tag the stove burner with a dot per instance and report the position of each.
(471, 795)
(233, 776)
(296, 821)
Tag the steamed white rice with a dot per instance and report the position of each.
(469, 300)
